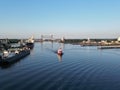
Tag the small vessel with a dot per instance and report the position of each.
(13, 56)
(30, 45)
(60, 52)
(30, 42)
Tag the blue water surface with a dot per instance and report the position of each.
(79, 68)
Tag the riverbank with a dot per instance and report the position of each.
(109, 47)
(93, 42)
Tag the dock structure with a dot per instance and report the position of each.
(109, 47)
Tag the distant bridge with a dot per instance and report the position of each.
(50, 38)
(47, 37)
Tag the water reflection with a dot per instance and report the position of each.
(8, 65)
(59, 58)
(5, 66)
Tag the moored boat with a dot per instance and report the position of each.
(30, 45)
(30, 42)
(14, 57)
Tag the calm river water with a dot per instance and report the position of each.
(80, 68)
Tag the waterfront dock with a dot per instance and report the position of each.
(109, 47)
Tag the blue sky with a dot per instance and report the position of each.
(68, 18)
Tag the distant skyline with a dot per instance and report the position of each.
(68, 18)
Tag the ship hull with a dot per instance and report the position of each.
(30, 45)
(16, 57)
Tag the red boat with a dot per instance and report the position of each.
(59, 52)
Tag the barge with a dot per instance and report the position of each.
(15, 57)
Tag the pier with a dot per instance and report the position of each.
(109, 47)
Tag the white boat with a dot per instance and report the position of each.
(30, 42)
